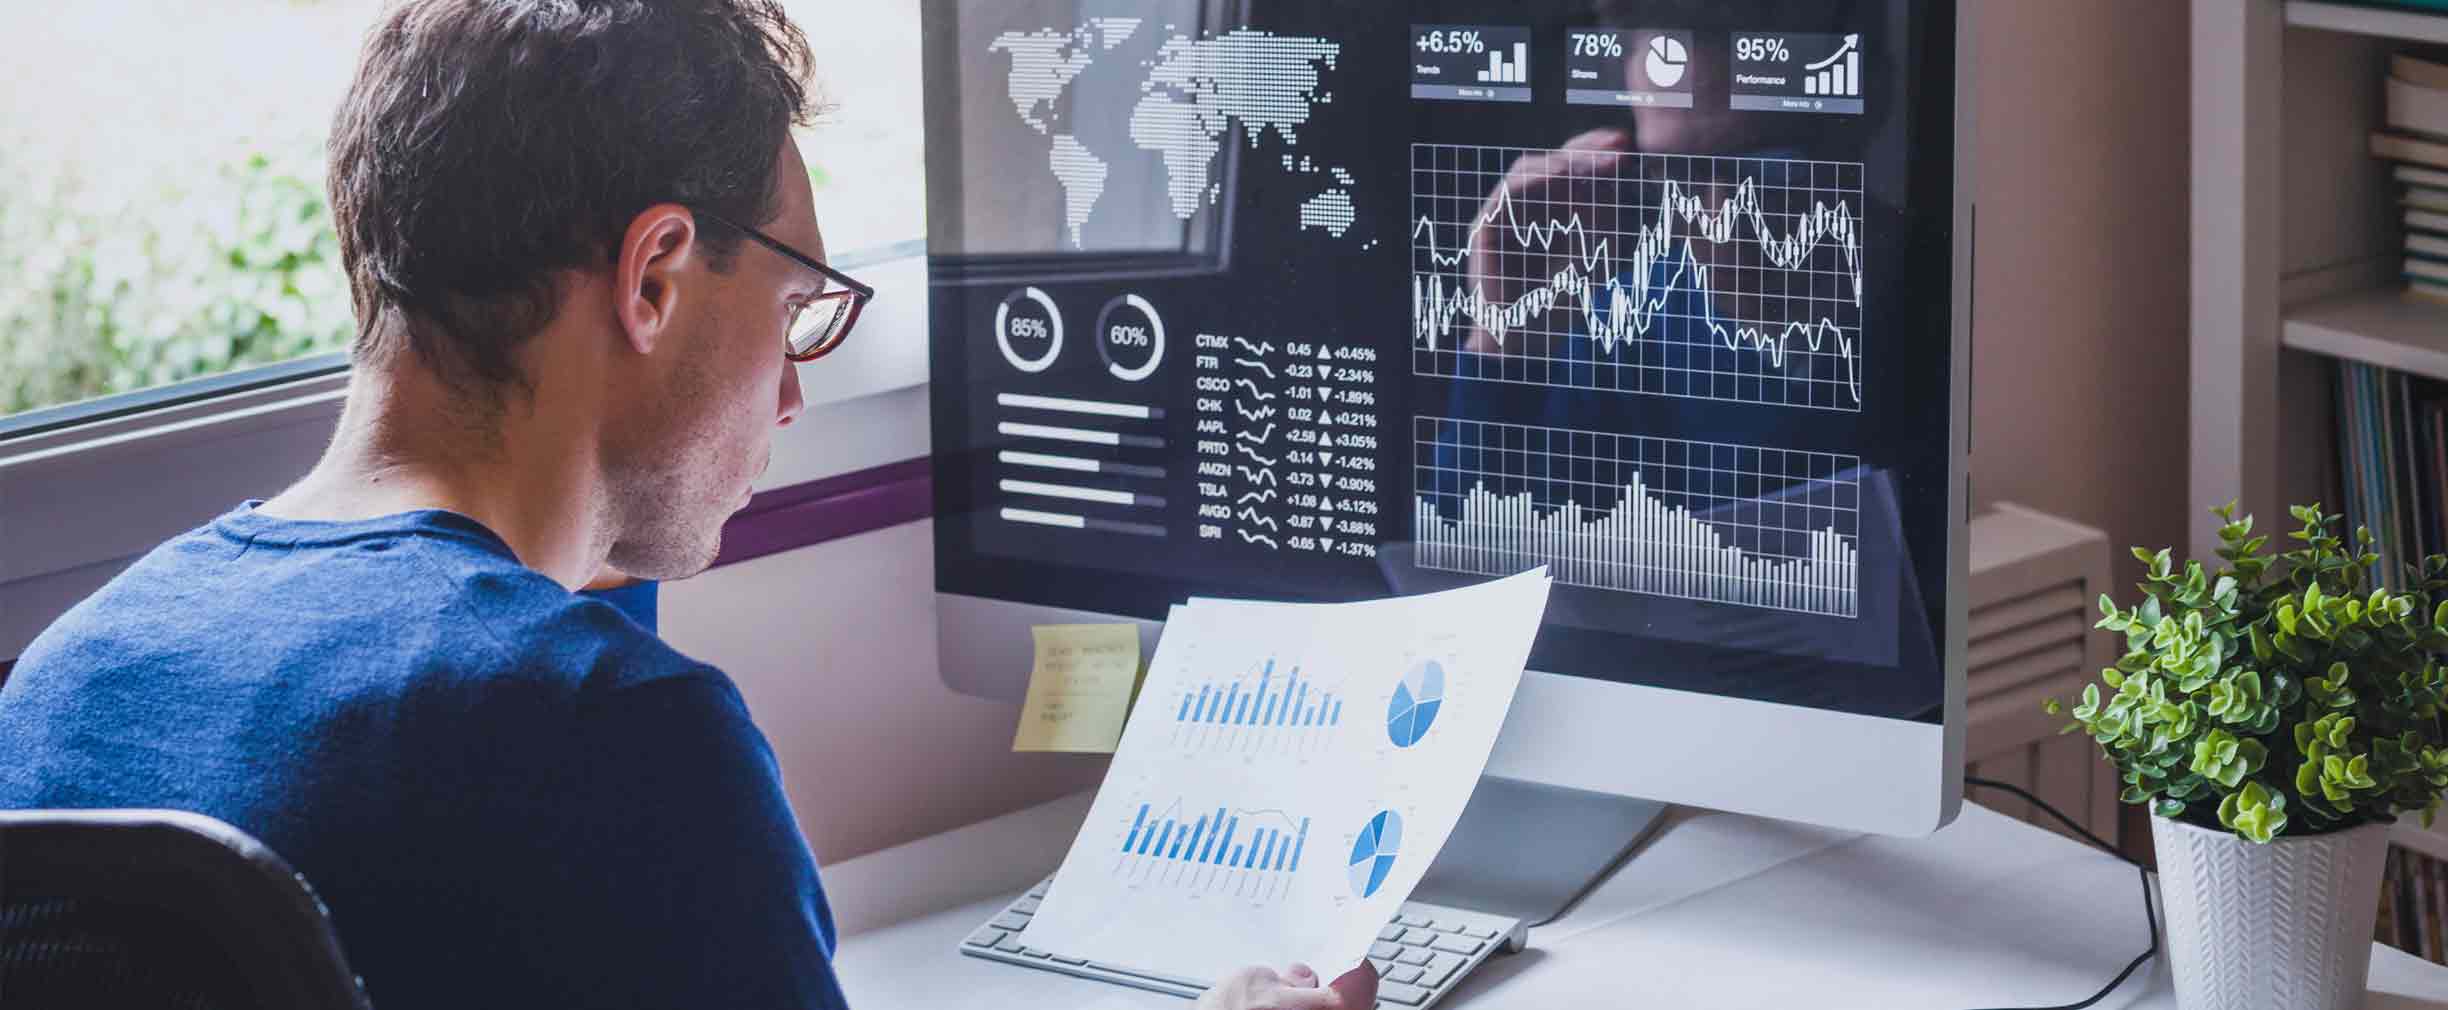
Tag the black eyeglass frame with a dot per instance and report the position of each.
(850, 288)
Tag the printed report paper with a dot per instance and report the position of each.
(1286, 778)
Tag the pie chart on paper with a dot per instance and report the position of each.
(1666, 61)
(1372, 856)
(1415, 703)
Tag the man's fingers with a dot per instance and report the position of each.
(1357, 988)
(1241, 990)
(1301, 976)
(1285, 998)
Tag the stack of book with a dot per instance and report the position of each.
(2417, 139)
(2413, 900)
(2393, 465)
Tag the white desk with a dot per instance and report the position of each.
(1718, 911)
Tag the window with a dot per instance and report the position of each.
(164, 221)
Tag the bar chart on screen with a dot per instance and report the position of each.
(1270, 707)
(1747, 525)
(1227, 851)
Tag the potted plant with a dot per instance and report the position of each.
(2276, 713)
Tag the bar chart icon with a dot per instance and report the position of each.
(1250, 852)
(1839, 75)
(1268, 707)
(1503, 71)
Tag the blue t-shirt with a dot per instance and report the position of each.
(508, 794)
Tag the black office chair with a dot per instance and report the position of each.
(158, 908)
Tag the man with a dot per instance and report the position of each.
(580, 241)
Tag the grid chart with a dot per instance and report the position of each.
(1770, 528)
(1734, 279)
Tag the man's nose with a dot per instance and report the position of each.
(792, 402)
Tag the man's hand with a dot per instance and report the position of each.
(1295, 989)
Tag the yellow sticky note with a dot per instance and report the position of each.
(1080, 689)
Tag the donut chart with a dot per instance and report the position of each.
(1029, 330)
(1130, 337)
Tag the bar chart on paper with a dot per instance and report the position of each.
(1265, 708)
(1224, 850)
(1771, 528)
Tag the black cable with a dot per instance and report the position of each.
(2150, 910)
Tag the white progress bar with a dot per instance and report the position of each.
(1071, 522)
(1082, 435)
(1098, 495)
(1076, 464)
(1071, 406)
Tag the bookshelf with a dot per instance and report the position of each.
(2376, 326)
(2391, 24)
(2295, 251)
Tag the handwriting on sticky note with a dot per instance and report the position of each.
(1080, 689)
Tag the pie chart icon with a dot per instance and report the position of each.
(1415, 703)
(1666, 62)
(1373, 853)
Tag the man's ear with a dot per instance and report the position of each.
(660, 245)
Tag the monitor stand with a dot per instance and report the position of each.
(1530, 851)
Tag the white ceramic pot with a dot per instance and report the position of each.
(2282, 926)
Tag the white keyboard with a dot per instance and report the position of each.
(1420, 956)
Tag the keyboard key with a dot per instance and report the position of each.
(1446, 926)
(1403, 973)
(1384, 951)
(1025, 906)
(1434, 973)
(1392, 933)
(1396, 992)
(1059, 959)
(1414, 955)
(1010, 945)
(1381, 967)
(1418, 937)
(1034, 952)
(1039, 891)
(1478, 932)
(1462, 945)
(987, 937)
(1011, 921)
(1409, 919)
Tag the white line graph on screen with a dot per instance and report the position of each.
(1734, 279)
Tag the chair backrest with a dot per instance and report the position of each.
(159, 908)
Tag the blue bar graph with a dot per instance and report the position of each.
(1289, 701)
(1171, 841)
(1136, 824)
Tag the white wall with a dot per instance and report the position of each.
(834, 648)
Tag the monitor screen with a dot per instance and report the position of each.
(1309, 300)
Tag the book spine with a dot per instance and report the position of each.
(2385, 929)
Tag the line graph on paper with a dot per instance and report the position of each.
(1745, 525)
(1735, 279)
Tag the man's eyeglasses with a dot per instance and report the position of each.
(818, 325)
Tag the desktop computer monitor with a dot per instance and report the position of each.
(1307, 300)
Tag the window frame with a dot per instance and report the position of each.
(86, 488)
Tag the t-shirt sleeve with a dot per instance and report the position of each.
(684, 872)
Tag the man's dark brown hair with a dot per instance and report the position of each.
(486, 146)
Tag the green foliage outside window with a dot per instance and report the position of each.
(224, 267)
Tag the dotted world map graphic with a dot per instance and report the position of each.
(1195, 91)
